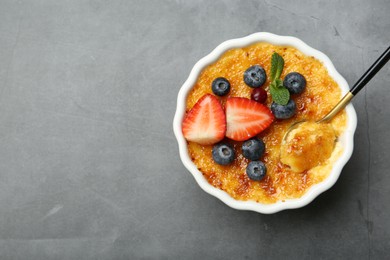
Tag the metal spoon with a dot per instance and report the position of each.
(378, 64)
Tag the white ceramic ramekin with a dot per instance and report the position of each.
(346, 139)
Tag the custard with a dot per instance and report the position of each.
(281, 181)
(308, 145)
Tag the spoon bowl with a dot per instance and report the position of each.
(328, 117)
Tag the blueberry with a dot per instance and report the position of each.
(256, 170)
(255, 76)
(284, 112)
(253, 149)
(220, 86)
(294, 82)
(223, 153)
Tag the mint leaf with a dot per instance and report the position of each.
(278, 83)
(280, 94)
(277, 64)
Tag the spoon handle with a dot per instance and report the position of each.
(378, 64)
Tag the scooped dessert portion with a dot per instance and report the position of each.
(307, 146)
(239, 110)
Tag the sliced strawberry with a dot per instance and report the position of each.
(205, 123)
(246, 118)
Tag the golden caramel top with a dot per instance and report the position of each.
(320, 95)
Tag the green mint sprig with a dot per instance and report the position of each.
(279, 93)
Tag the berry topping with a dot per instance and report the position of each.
(255, 76)
(256, 170)
(223, 153)
(220, 86)
(259, 95)
(253, 149)
(284, 112)
(205, 123)
(294, 82)
(246, 118)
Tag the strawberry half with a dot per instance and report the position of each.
(205, 123)
(246, 118)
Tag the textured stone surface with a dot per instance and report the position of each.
(89, 167)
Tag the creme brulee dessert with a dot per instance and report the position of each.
(239, 110)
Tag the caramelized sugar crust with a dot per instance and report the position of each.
(320, 95)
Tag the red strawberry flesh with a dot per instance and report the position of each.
(246, 118)
(205, 123)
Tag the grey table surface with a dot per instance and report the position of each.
(89, 166)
